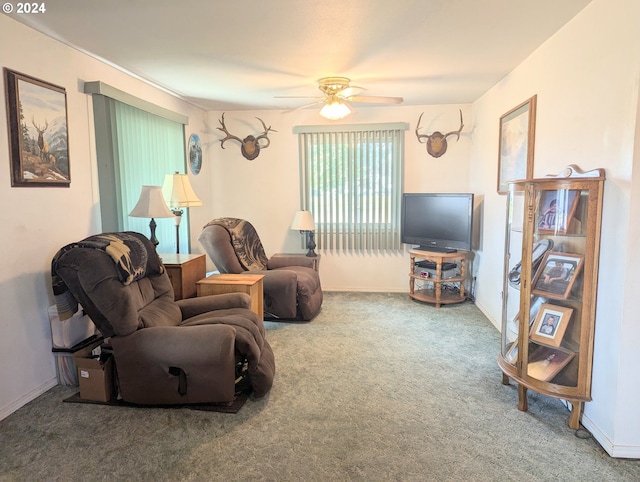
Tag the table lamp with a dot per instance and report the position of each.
(151, 205)
(179, 194)
(303, 222)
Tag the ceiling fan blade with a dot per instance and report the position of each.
(319, 101)
(351, 91)
(372, 99)
(297, 97)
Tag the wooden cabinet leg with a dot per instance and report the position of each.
(505, 379)
(523, 405)
(574, 418)
(412, 263)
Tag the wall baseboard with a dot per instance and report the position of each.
(615, 451)
(486, 313)
(27, 397)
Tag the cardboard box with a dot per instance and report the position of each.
(94, 377)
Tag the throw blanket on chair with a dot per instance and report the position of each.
(129, 253)
(246, 242)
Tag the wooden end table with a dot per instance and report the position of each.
(184, 271)
(235, 283)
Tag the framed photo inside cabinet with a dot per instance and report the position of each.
(550, 324)
(512, 353)
(556, 274)
(536, 304)
(38, 134)
(546, 362)
(517, 139)
(557, 209)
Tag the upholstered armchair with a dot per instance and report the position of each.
(165, 351)
(292, 289)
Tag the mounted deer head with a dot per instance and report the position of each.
(437, 142)
(249, 146)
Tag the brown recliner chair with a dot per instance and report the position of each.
(165, 351)
(292, 288)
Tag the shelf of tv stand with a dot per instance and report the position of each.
(435, 294)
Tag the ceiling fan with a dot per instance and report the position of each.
(338, 93)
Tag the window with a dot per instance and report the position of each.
(137, 144)
(351, 180)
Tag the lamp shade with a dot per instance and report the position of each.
(335, 109)
(151, 204)
(178, 192)
(303, 221)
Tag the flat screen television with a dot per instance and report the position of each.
(441, 222)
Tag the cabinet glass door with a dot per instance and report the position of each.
(560, 220)
(513, 270)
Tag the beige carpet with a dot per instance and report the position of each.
(376, 388)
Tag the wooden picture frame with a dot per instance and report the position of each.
(38, 132)
(534, 308)
(516, 144)
(556, 210)
(557, 274)
(546, 362)
(550, 324)
(512, 353)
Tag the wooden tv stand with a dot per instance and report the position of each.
(435, 294)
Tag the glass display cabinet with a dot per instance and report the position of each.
(549, 302)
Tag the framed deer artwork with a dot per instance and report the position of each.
(38, 132)
(516, 144)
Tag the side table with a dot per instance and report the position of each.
(184, 271)
(235, 283)
(436, 294)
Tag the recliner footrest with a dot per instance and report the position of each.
(176, 365)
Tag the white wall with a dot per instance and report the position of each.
(36, 222)
(586, 78)
(266, 191)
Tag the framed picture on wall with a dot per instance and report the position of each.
(516, 144)
(38, 134)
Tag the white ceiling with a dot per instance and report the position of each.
(240, 54)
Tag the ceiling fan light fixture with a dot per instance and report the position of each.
(335, 109)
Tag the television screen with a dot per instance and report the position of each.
(437, 221)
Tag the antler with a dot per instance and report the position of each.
(229, 136)
(46, 125)
(458, 131)
(265, 134)
(421, 136)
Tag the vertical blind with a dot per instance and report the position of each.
(351, 181)
(148, 147)
(137, 143)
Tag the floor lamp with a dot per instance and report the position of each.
(151, 205)
(179, 194)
